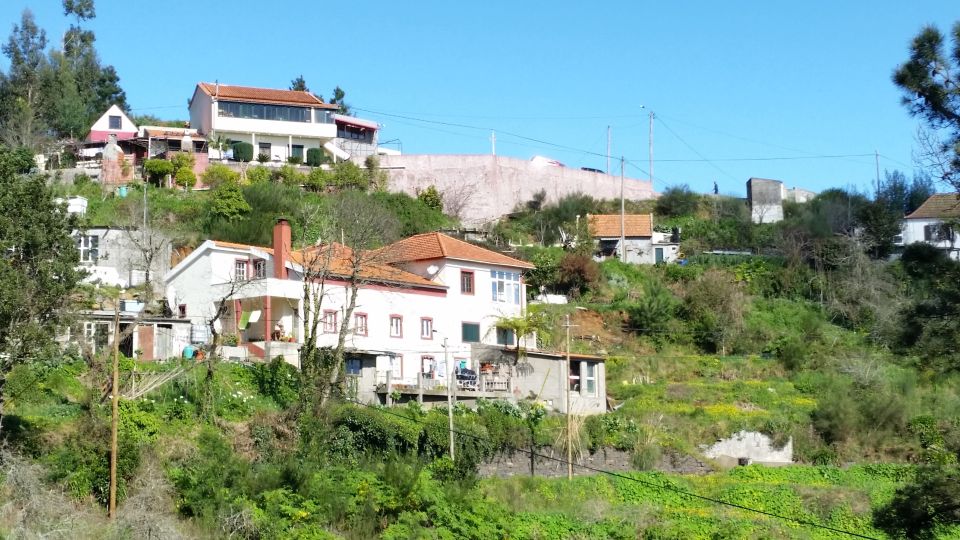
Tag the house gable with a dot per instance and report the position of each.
(108, 125)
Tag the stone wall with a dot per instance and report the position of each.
(610, 460)
(483, 188)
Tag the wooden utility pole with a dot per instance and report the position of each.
(651, 146)
(608, 149)
(876, 157)
(115, 418)
(623, 239)
(567, 380)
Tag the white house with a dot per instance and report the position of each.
(427, 305)
(113, 122)
(934, 222)
(642, 244)
(278, 123)
(115, 256)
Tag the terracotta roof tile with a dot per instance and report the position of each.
(340, 265)
(608, 225)
(440, 246)
(939, 206)
(263, 95)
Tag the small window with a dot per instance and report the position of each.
(426, 328)
(264, 148)
(505, 286)
(396, 326)
(505, 336)
(240, 270)
(428, 366)
(182, 311)
(590, 379)
(470, 333)
(353, 366)
(259, 269)
(89, 247)
(329, 321)
(297, 151)
(115, 122)
(575, 376)
(360, 324)
(466, 282)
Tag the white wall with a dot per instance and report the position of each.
(752, 445)
(103, 123)
(278, 144)
(913, 231)
(200, 110)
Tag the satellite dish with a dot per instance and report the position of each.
(171, 297)
(433, 269)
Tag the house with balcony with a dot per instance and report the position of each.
(425, 317)
(935, 223)
(278, 123)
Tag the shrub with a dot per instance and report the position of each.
(278, 380)
(431, 198)
(157, 169)
(318, 179)
(294, 160)
(288, 174)
(217, 174)
(677, 201)
(258, 175)
(315, 157)
(263, 158)
(185, 178)
(227, 202)
(243, 151)
(578, 273)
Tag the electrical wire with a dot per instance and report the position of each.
(655, 485)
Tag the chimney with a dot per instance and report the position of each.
(281, 248)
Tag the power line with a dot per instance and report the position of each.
(694, 150)
(647, 483)
(777, 158)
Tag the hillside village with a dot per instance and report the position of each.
(264, 321)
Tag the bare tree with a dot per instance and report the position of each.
(351, 263)
(457, 197)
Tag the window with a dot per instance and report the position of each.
(259, 269)
(428, 366)
(240, 270)
(505, 336)
(96, 334)
(264, 148)
(470, 333)
(297, 151)
(329, 321)
(182, 311)
(466, 282)
(590, 379)
(505, 286)
(260, 111)
(115, 122)
(426, 328)
(89, 247)
(396, 326)
(937, 232)
(353, 366)
(360, 324)
(575, 376)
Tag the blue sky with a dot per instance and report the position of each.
(756, 81)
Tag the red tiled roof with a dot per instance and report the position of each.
(263, 95)
(939, 206)
(608, 225)
(440, 246)
(340, 264)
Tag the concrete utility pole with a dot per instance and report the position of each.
(651, 146)
(623, 239)
(115, 402)
(493, 142)
(567, 406)
(876, 157)
(450, 393)
(608, 149)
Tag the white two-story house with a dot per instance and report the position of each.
(278, 123)
(427, 307)
(934, 223)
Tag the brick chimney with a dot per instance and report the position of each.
(281, 248)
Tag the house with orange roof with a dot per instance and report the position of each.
(641, 244)
(427, 307)
(935, 223)
(278, 123)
